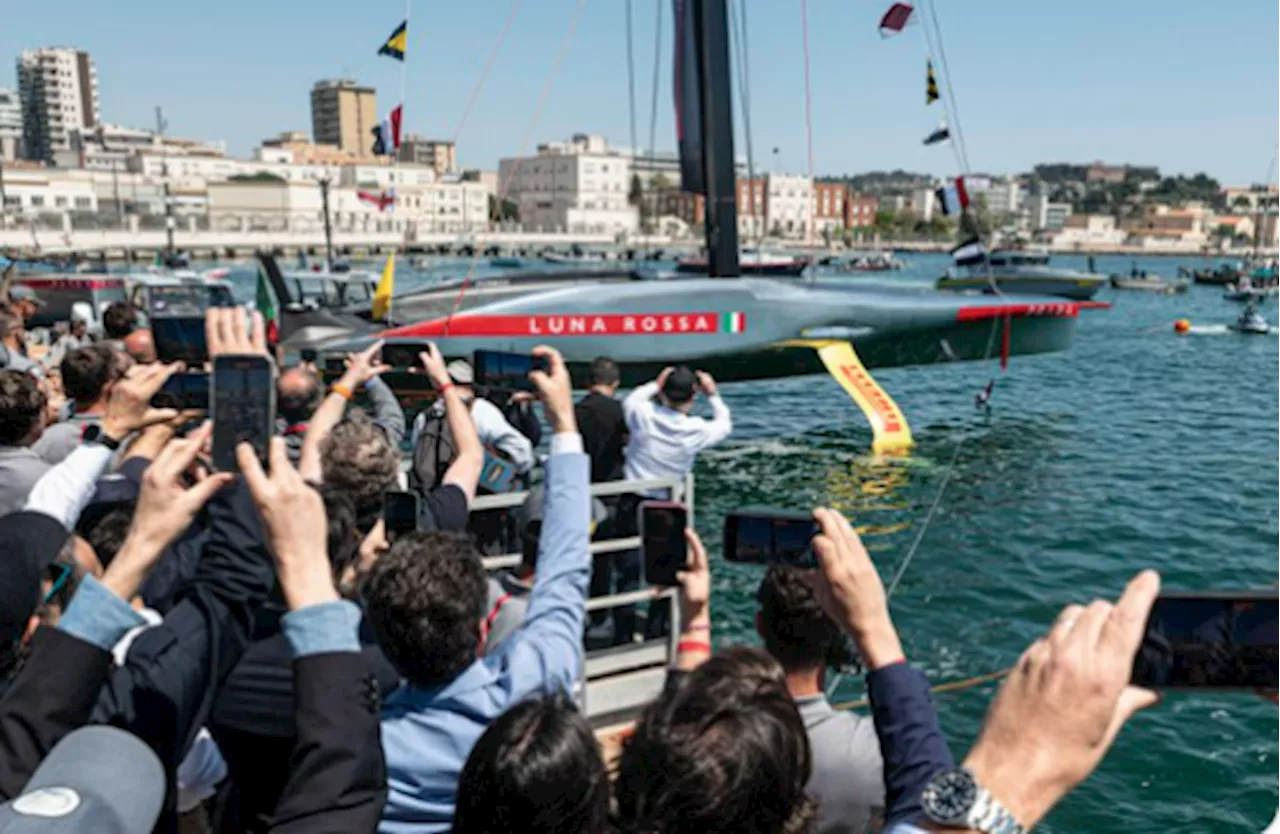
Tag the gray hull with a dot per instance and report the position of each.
(1077, 289)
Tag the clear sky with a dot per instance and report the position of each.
(1187, 85)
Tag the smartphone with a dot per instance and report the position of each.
(662, 525)
(763, 536)
(1210, 640)
(185, 391)
(400, 513)
(176, 318)
(403, 354)
(309, 355)
(506, 371)
(243, 394)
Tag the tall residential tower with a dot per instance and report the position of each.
(58, 87)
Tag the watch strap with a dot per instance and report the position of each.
(990, 817)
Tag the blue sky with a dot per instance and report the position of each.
(1185, 85)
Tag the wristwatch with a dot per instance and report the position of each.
(955, 799)
(94, 433)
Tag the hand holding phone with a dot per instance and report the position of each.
(400, 513)
(662, 525)
(507, 371)
(243, 393)
(403, 355)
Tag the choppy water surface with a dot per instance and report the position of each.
(1137, 448)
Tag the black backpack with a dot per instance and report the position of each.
(433, 454)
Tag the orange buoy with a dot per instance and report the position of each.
(1182, 326)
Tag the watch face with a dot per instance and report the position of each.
(949, 796)
(92, 432)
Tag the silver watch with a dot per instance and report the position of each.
(954, 798)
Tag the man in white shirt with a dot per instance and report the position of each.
(494, 430)
(665, 439)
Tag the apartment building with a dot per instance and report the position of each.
(343, 114)
(439, 154)
(581, 185)
(10, 125)
(58, 89)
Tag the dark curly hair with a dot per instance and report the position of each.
(22, 405)
(536, 769)
(108, 535)
(793, 625)
(87, 371)
(425, 597)
(724, 750)
(358, 459)
(344, 541)
(119, 320)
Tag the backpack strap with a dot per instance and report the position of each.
(493, 612)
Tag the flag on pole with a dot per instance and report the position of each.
(386, 286)
(384, 200)
(940, 134)
(895, 19)
(265, 301)
(386, 136)
(397, 43)
(930, 85)
(953, 197)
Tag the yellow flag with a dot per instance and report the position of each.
(386, 286)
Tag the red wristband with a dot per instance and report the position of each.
(444, 388)
(693, 646)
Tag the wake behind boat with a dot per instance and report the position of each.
(1018, 272)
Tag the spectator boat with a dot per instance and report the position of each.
(1015, 271)
(751, 262)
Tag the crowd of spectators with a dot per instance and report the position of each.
(189, 650)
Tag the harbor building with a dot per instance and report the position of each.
(581, 185)
(58, 88)
(439, 154)
(10, 125)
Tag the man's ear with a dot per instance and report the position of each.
(33, 622)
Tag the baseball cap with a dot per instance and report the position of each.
(30, 541)
(460, 372)
(98, 779)
(22, 292)
(680, 385)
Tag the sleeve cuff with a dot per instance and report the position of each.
(323, 629)
(566, 443)
(98, 616)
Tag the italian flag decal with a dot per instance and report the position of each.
(733, 322)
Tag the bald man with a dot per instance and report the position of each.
(141, 346)
(297, 397)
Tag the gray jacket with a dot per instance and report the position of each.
(20, 468)
(848, 772)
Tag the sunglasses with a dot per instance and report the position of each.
(58, 573)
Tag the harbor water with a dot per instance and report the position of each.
(1137, 448)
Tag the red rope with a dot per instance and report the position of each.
(488, 65)
(505, 185)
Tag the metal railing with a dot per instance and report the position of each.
(636, 657)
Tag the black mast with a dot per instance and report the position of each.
(711, 43)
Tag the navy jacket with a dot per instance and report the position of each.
(911, 743)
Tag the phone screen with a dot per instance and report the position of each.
(180, 340)
(506, 371)
(184, 391)
(770, 537)
(403, 354)
(399, 513)
(1223, 641)
(244, 407)
(662, 526)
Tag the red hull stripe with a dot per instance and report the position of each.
(1058, 310)
(543, 325)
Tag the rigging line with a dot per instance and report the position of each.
(946, 80)
(946, 104)
(505, 185)
(395, 151)
(631, 91)
(808, 118)
(484, 74)
(950, 686)
(653, 115)
(739, 28)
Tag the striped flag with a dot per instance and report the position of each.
(733, 322)
(265, 301)
(930, 85)
(386, 136)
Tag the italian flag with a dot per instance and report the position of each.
(733, 322)
(266, 304)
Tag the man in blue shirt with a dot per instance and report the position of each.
(426, 602)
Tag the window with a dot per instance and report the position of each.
(83, 202)
(37, 200)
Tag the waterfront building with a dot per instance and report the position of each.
(860, 211)
(10, 125)
(788, 205)
(581, 185)
(106, 147)
(343, 114)
(58, 88)
(1087, 231)
(828, 208)
(1044, 214)
(438, 154)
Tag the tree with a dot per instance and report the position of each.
(1226, 231)
(885, 220)
(636, 195)
(508, 210)
(259, 176)
(659, 182)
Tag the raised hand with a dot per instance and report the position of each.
(225, 331)
(433, 362)
(166, 507)
(707, 383)
(129, 406)
(365, 365)
(293, 513)
(695, 582)
(556, 391)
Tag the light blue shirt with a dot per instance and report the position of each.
(427, 734)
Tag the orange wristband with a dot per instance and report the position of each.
(339, 388)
